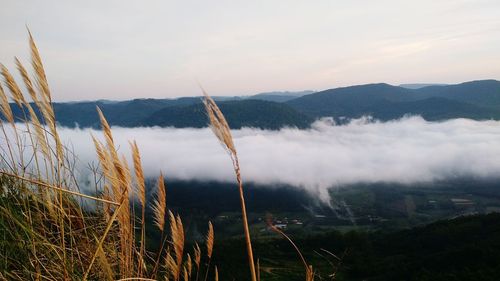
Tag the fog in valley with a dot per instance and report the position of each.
(406, 151)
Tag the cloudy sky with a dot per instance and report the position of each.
(120, 49)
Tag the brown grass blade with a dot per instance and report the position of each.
(308, 268)
(40, 183)
(222, 131)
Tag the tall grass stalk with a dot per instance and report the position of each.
(222, 131)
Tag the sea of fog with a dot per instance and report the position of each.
(405, 151)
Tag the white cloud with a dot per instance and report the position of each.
(406, 151)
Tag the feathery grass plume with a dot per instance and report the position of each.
(171, 267)
(37, 64)
(126, 176)
(106, 128)
(219, 125)
(39, 130)
(27, 81)
(189, 264)
(5, 106)
(21, 102)
(197, 256)
(173, 224)
(127, 217)
(185, 273)
(221, 129)
(17, 95)
(118, 178)
(160, 204)
(110, 161)
(46, 103)
(210, 246)
(18, 98)
(103, 158)
(177, 235)
(210, 240)
(116, 171)
(139, 174)
(141, 193)
(7, 113)
(159, 211)
(108, 171)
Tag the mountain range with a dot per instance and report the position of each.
(479, 100)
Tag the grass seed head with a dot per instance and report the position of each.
(210, 239)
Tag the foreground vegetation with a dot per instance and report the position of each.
(51, 230)
(48, 234)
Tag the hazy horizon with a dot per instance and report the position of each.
(120, 50)
(411, 86)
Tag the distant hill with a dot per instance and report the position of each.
(119, 113)
(350, 102)
(244, 113)
(483, 92)
(280, 96)
(477, 100)
(415, 86)
(124, 113)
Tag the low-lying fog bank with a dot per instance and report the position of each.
(405, 151)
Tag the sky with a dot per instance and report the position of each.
(122, 49)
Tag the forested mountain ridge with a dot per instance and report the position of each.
(479, 100)
(476, 100)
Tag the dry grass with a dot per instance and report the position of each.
(48, 234)
(221, 129)
(160, 204)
